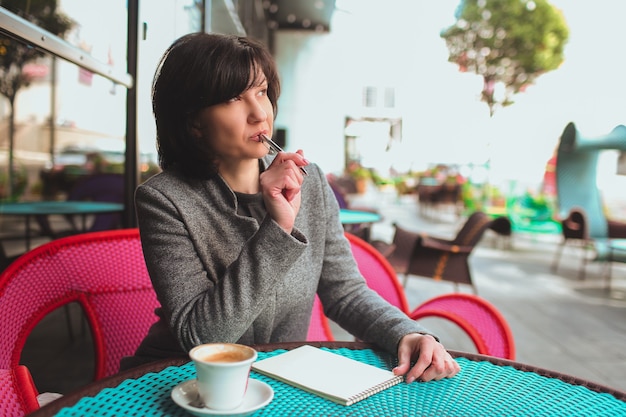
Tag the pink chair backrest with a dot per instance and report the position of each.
(378, 272)
(480, 319)
(103, 271)
(319, 328)
(18, 395)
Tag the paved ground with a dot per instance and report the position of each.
(559, 322)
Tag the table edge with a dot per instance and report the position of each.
(94, 207)
(95, 387)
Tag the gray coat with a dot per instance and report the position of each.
(223, 277)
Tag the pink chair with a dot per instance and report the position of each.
(378, 272)
(379, 275)
(18, 395)
(102, 271)
(477, 317)
(319, 328)
(481, 320)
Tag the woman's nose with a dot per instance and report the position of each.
(257, 113)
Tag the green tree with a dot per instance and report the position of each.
(15, 54)
(507, 42)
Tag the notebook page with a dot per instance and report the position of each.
(332, 376)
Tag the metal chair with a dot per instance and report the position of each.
(477, 317)
(105, 273)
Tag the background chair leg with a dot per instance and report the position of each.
(557, 258)
(583, 267)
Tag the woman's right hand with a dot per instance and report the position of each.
(280, 184)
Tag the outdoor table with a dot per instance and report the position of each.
(486, 386)
(46, 208)
(358, 222)
(357, 217)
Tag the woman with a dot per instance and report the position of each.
(237, 243)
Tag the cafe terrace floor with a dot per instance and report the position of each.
(559, 322)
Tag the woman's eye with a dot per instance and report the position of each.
(236, 98)
(262, 92)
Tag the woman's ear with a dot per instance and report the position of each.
(195, 129)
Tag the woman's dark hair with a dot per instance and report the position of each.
(197, 71)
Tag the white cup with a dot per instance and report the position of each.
(222, 370)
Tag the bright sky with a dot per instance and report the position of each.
(397, 43)
(448, 123)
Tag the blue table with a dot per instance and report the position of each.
(486, 386)
(358, 217)
(46, 208)
(358, 222)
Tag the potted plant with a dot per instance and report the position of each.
(361, 177)
(19, 183)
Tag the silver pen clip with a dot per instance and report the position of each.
(274, 148)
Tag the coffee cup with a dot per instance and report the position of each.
(222, 371)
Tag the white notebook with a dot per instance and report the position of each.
(327, 374)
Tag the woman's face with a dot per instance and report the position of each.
(233, 127)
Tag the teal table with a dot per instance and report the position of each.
(358, 222)
(486, 386)
(358, 217)
(46, 208)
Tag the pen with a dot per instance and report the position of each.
(274, 147)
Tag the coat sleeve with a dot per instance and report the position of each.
(348, 300)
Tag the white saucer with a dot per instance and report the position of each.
(258, 395)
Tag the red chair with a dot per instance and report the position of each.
(481, 320)
(379, 276)
(18, 394)
(102, 271)
(378, 272)
(319, 328)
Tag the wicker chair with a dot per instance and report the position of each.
(319, 327)
(378, 272)
(105, 273)
(398, 252)
(434, 257)
(481, 320)
(477, 317)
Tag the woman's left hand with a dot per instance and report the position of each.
(432, 360)
(281, 184)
